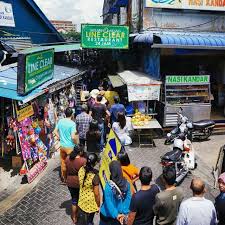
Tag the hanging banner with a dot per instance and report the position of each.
(34, 69)
(6, 15)
(104, 36)
(113, 147)
(141, 93)
(212, 5)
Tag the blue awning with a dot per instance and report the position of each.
(8, 82)
(113, 10)
(183, 40)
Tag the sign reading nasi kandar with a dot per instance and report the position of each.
(104, 36)
(6, 15)
(34, 69)
(214, 5)
(187, 79)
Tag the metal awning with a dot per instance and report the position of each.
(57, 48)
(116, 81)
(182, 40)
(8, 82)
(137, 78)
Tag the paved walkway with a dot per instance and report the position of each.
(49, 202)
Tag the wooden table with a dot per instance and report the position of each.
(149, 127)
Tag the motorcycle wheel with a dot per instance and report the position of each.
(168, 142)
(206, 135)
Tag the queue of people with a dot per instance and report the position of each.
(121, 201)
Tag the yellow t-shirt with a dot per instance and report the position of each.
(109, 95)
(86, 200)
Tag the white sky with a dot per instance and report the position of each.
(79, 11)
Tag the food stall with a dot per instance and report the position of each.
(192, 93)
(143, 92)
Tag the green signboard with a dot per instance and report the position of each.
(34, 69)
(187, 79)
(104, 36)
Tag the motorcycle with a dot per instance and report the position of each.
(181, 158)
(200, 130)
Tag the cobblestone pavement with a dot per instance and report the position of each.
(49, 202)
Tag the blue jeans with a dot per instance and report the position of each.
(101, 129)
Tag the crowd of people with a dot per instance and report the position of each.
(82, 139)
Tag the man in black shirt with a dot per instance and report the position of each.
(99, 112)
(142, 202)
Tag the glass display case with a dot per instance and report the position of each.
(192, 93)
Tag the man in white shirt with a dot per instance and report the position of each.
(197, 210)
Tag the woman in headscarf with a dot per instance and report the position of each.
(220, 200)
(116, 197)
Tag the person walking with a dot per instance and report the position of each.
(130, 172)
(220, 200)
(65, 131)
(116, 108)
(110, 95)
(83, 122)
(121, 129)
(99, 112)
(74, 162)
(167, 203)
(93, 137)
(142, 202)
(89, 196)
(116, 197)
(197, 210)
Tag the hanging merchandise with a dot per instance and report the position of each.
(33, 149)
(10, 138)
(72, 97)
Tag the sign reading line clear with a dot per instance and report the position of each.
(104, 36)
(34, 69)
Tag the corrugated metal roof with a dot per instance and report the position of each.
(8, 82)
(183, 40)
(18, 43)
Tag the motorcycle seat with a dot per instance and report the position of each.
(173, 155)
(203, 123)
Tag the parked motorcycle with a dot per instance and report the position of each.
(182, 158)
(200, 130)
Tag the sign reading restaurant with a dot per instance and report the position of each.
(201, 79)
(34, 69)
(104, 36)
(214, 5)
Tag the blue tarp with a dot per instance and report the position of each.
(183, 40)
(8, 82)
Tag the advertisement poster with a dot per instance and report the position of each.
(214, 5)
(24, 112)
(34, 69)
(6, 15)
(141, 93)
(113, 147)
(104, 36)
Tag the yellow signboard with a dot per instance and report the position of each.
(24, 112)
(113, 147)
(214, 5)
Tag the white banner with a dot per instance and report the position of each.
(6, 15)
(140, 93)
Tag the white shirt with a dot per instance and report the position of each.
(197, 211)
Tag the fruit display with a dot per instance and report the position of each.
(140, 119)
